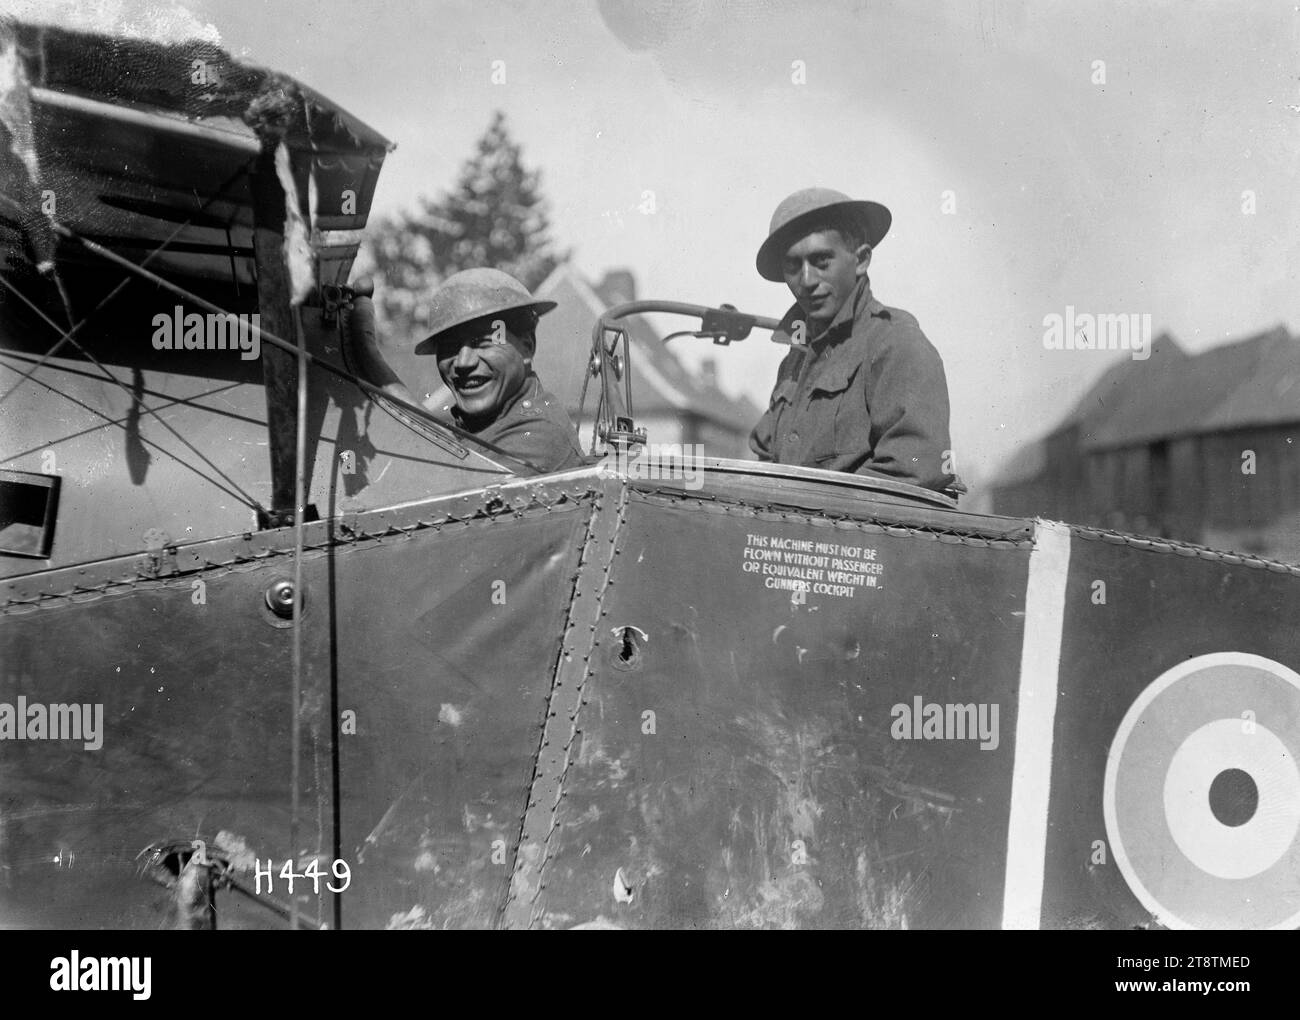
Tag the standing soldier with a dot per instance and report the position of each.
(483, 326)
(862, 390)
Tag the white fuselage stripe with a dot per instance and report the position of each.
(1031, 776)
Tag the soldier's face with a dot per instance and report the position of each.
(821, 271)
(483, 367)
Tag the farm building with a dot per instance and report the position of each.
(1201, 447)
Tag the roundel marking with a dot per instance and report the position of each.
(1202, 794)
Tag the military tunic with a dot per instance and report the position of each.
(867, 396)
(533, 427)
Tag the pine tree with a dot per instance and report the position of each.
(495, 216)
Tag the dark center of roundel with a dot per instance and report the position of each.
(1233, 797)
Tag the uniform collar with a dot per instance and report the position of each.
(859, 302)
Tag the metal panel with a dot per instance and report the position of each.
(1162, 606)
(767, 788)
(192, 679)
(448, 641)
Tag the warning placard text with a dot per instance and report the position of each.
(804, 565)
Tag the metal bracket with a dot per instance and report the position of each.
(334, 297)
(269, 519)
(726, 324)
(623, 434)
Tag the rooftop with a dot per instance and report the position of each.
(660, 382)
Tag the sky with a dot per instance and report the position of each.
(1117, 157)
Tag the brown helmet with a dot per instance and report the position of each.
(475, 294)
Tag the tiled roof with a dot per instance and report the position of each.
(660, 382)
(1250, 382)
(1124, 385)
(1255, 381)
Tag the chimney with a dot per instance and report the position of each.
(618, 287)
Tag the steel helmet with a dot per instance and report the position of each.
(475, 294)
(799, 211)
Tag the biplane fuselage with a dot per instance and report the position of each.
(741, 695)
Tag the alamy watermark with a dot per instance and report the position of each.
(656, 461)
(194, 332)
(934, 720)
(77, 973)
(1082, 331)
(35, 721)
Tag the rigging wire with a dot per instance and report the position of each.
(290, 193)
(127, 279)
(448, 433)
(582, 406)
(299, 499)
(245, 498)
(169, 401)
(157, 446)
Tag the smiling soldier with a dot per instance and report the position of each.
(862, 389)
(483, 333)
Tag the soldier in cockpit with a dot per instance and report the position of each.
(483, 326)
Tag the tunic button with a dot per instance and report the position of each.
(528, 403)
(794, 437)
